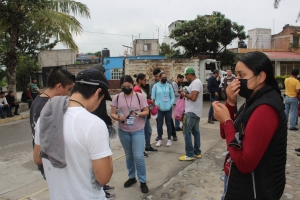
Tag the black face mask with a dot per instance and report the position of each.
(163, 80)
(244, 91)
(127, 90)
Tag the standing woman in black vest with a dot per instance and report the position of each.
(257, 137)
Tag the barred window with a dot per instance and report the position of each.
(116, 74)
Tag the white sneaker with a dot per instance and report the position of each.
(158, 144)
(169, 143)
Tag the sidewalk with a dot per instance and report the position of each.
(169, 178)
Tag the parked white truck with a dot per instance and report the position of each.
(173, 67)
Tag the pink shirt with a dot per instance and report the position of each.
(127, 103)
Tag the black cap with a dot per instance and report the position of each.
(93, 77)
(99, 67)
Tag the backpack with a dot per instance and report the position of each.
(179, 109)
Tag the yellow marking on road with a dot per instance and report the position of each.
(28, 197)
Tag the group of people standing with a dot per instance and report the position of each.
(255, 162)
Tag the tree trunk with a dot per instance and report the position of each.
(11, 60)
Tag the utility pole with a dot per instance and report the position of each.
(158, 32)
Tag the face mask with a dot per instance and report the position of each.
(244, 91)
(127, 90)
(163, 80)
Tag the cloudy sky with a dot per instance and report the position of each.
(114, 22)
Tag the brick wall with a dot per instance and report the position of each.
(283, 39)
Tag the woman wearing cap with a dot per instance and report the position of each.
(163, 95)
(132, 108)
(139, 87)
(257, 138)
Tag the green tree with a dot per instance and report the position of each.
(167, 51)
(26, 68)
(207, 34)
(54, 17)
(98, 53)
(227, 58)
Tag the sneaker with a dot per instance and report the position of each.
(186, 158)
(178, 129)
(108, 188)
(130, 182)
(150, 150)
(144, 188)
(158, 144)
(298, 150)
(145, 155)
(175, 138)
(16, 114)
(156, 139)
(109, 196)
(169, 143)
(294, 129)
(198, 156)
(210, 121)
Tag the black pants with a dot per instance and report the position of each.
(173, 128)
(14, 105)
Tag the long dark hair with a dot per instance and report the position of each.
(139, 76)
(258, 62)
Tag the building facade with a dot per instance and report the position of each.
(288, 38)
(145, 47)
(60, 57)
(259, 38)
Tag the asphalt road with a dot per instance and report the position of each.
(18, 174)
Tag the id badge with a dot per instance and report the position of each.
(165, 98)
(130, 120)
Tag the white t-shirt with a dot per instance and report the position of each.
(86, 139)
(195, 106)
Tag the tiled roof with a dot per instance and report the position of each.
(283, 56)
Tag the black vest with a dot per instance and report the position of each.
(267, 181)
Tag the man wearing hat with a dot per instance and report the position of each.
(101, 112)
(214, 90)
(191, 119)
(76, 157)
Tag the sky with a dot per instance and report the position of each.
(115, 23)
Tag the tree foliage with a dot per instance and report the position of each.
(276, 5)
(206, 34)
(20, 19)
(227, 58)
(167, 51)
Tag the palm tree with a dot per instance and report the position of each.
(54, 17)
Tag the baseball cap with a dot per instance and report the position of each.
(99, 67)
(188, 70)
(93, 77)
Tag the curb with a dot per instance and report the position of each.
(16, 118)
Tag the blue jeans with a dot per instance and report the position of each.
(211, 110)
(148, 132)
(133, 145)
(3, 108)
(291, 108)
(191, 127)
(160, 121)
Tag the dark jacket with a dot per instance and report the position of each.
(267, 181)
(10, 100)
(213, 86)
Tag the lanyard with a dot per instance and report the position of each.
(129, 107)
(164, 90)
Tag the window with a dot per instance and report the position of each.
(210, 66)
(116, 74)
(296, 40)
(147, 46)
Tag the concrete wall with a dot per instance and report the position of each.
(259, 38)
(49, 58)
(145, 47)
